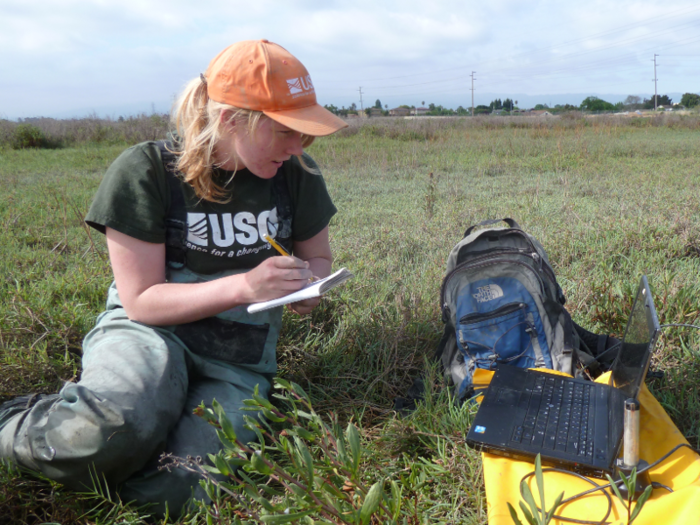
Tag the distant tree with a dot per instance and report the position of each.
(661, 100)
(508, 104)
(632, 100)
(431, 107)
(378, 104)
(422, 103)
(368, 111)
(540, 106)
(386, 106)
(353, 107)
(664, 100)
(462, 111)
(332, 108)
(496, 104)
(440, 111)
(596, 104)
(482, 110)
(690, 100)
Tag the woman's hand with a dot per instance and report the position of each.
(304, 307)
(317, 252)
(277, 276)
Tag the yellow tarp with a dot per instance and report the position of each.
(658, 435)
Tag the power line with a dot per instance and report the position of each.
(655, 20)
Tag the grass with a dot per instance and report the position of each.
(610, 199)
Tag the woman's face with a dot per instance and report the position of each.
(262, 150)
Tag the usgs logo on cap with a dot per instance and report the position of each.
(300, 86)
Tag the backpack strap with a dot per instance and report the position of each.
(176, 218)
(285, 213)
(510, 222)
(596, 352)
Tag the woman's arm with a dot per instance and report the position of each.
(317, 252)
(139, 272)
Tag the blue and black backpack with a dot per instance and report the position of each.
(502, 305)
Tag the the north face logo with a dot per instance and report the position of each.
(300, 85)
(488, 293)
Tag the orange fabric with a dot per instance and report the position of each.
(658, 435)
(262, 76)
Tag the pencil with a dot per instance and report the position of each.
(282, 251)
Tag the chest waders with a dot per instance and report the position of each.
(139, 385)
(233, 336)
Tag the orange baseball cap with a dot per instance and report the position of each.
(262, 76)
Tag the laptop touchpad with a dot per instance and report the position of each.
(508, 397)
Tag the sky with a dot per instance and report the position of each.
(73, 58)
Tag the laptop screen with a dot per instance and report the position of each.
(632, 362)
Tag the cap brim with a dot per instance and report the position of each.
(314, 120)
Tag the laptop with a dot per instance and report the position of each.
(573, 424)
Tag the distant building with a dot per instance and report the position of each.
(400, 112)
(539, 113)
(420, 111)
(375, 112)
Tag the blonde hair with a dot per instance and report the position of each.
(196, 118)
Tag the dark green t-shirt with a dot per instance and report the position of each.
(134, 199)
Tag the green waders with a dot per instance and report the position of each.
(134, 401)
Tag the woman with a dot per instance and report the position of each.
(188, 255)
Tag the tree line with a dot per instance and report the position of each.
(498, 106)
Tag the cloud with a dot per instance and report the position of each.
(64, 53)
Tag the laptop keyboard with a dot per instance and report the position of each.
(557, 417)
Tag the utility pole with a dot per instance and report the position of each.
(361, 108)
(472, 75)
(655, 79)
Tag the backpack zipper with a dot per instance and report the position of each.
(475, 264)
(498, 312)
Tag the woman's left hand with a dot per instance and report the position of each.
(304, 307)
(317, 252)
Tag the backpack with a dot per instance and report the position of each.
(502, 305)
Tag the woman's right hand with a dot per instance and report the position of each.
(277, 276)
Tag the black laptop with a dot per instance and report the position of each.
(572, 423)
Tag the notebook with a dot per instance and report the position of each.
(313, 289)
(572, 423)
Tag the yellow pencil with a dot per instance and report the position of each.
(282, 251)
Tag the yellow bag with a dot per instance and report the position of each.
(658, 435)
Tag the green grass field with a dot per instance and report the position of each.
(610, 199)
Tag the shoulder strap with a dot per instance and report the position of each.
(285, 214)
(176, 218)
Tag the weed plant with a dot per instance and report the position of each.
(54, 133)
(609, 198)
